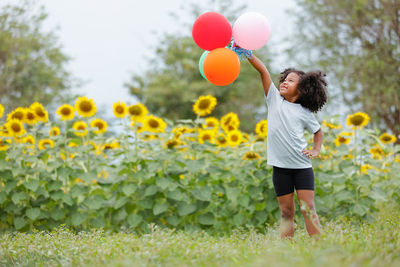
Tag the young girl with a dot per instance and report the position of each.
(290, 112)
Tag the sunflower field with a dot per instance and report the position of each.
(188, 174)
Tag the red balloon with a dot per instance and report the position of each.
(211, 30)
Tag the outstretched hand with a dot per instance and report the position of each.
(310, 153)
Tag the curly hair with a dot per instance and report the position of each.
(312, 87)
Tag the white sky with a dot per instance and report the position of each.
(109, 40)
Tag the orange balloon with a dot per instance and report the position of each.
(221, 66)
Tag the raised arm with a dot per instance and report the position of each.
(260, 67)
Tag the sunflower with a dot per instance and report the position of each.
(17, 114)
(109, 146)
(154, 124)
(364, 168)
(66, 112)
(29, 139)
(45, 143)
(30, 117)
(40, 113)
(3, 131)
(262, 128)
(235, 138)
(1, 110)
(137, 112)
(85, 107)
(245, 138)
(120, 109)
(343, 138)
(221, 140)
(4, 144)
(331, 125)
(206, 135)
(387, 138)
(100, 124)
(15, 128)
(178, 131)
(377, 152)
(173, 143)
(358, 119)
(211, 123)
(204, 105)
(251, 155)
(54, 131)
(230, 122)
(80, 128)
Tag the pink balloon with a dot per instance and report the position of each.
(251, 30)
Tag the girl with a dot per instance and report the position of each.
(290, 112)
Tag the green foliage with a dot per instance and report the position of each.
(357, 44)
(32, 64)
(173, 81)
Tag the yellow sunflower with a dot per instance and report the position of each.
(40, 113)
(137, 112)
(100, 124)
(4, 144)
(204, 105)
(357, 120)
(54, 131)
(178, 131)
(206, 135)
(17, 114)
(235, 137)
(154, 124)
(3, 131)
(66, 112)
(30, 117)
(230, 122)
(113, 145)
(211, 123)
(85, 107)
(45, 143)
(387, 138)
(343, 138)
(251, 155)
(173, 143)
(377, 152)
(262, 128)
(15, 128)
(364, 168)
(331, 125)
(221, 140)
(1, 110)
(80, 128)
(29, 139)
(120, 109)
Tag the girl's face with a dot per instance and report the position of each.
(288, 89)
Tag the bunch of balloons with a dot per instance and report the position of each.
(212, 32)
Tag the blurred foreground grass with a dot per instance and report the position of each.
(343, 243)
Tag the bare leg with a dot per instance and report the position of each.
(286, 205)
(306, 197)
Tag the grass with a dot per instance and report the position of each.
(342, 243)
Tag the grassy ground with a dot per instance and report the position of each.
(341, 244)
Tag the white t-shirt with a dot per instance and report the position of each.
(286, 125)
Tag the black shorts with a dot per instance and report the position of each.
(286, 180)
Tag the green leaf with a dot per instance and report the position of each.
(18, 197)
(6, 174)
(54, 185)
(3, 197)
(203, 193)
(94, 203)
(160, 208)
(98, 222)
(151, 190)
(67, 199)
(78, 218)
(359, 209)
(238, 219)
(33, 213)
(57, 214)
(19, 223)
(195, 166)
(175, 194)
(134, 220)
(344, 195)
(378, 194)
(244, 200)
(57, 195)
(32, 184)
(185, 208)
(77, 190)
(206, 219)
(260, 205)
(232, 193)
(120, 202)
(64, 172)
(173, 220)
(163, 183)
(121, 215)
(129, 189)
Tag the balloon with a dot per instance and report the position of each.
(251, 30)
(211, 30)
(221, 66)
(201, 62)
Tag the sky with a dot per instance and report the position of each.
(108, 40)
